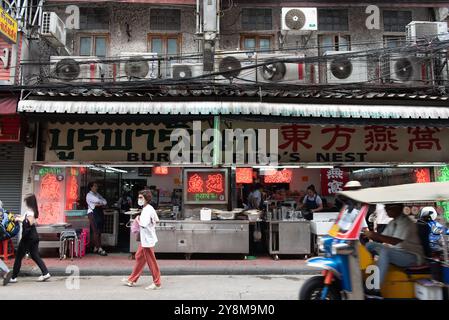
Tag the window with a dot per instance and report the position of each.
(165, 19)
(392, 42)
(334, 43)
(165, 45)
(333, 20)
(93, 45)
(257, 19)
(94, 19)
(395, 21)
(256, 42)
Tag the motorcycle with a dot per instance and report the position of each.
(347, 266)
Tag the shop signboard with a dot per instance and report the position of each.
(297, 143)
(8, 26)
(333, 180)
(208, 186)
(10, 128)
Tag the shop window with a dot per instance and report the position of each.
(333, 20)
(256, 42)
(93, 45)
(165, 19)
(395, 21)
(257, 19)
(94, 19)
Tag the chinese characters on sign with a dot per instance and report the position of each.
(422, 175)
(333, 180)
(244, 175)
(205, 186)
(50, 199)
(282, 176)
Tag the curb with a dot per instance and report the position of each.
(169, 271)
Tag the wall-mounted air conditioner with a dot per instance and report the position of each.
(299, 19)
(53, 29)
(137, 66)
(186, 70)
(77, 69)
(426, 31)
(341, 67)
(279, 69)
(409, 70)
(231, 64)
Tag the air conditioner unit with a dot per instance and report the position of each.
(186, 70)
(53, 29)
(410, 70)
(342, 68)
(230, 65)
(279, 71)
(137, 66)
(426, 30)
(76, 69)
(299, 19)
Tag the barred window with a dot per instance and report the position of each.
(333, 20)
(94, 19)
(165, 19)
(395, 21)
(257, 19)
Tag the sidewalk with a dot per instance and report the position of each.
(117, 264)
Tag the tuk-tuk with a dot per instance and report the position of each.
(347, 264)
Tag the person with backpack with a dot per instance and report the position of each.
(30, 240)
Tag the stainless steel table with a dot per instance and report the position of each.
(288, 237)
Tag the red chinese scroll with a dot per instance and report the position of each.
(333, 180)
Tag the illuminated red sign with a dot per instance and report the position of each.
(422, 175)
(160, 170)
(283, 176)
(205, 186)
(244, 175)
(10, 129)
(50, 199)
(72, 192)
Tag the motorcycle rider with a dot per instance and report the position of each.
(429, 215)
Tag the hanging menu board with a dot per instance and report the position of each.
(208, 186)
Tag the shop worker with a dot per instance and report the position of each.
(255, 197)
(399, 244)
(29, 242)
(148, 239)
(312, 200)
(95, 204)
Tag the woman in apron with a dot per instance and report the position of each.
(312, 201)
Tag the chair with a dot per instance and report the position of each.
(6, 249)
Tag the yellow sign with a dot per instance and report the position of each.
(8, 26)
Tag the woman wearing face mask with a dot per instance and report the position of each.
(148, 239)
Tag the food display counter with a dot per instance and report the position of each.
(195, 236)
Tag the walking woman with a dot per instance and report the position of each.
(30, 240)
(145, 253)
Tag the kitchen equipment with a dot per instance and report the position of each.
(288, 237)
(257, 234)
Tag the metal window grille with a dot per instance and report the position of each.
(165, 19)
(333, 20)
(257, 19)
(395, 21)
(94, 19)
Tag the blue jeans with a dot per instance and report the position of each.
(3, 267)
(391, 255)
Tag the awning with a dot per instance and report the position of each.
(235, 108)
(8, 105)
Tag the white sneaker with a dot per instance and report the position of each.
(153, 287)
(13, 280)
(44, 278)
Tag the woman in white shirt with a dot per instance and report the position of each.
(148, 239)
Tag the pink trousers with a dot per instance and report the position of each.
(146, 256)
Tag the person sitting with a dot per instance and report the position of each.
(399, 244)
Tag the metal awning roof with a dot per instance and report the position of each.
(235, 108)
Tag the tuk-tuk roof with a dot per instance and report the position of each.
(404, 193)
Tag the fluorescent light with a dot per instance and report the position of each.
(111, 169)
(318, 167)
(275, 167)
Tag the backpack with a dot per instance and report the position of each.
(8, 225)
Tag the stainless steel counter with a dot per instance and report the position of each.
(289, 237)
(195, 236)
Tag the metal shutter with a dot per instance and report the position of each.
(11, 170)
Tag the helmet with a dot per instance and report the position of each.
(428, 214)
(352, 185)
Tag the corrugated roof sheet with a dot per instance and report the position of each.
(235, 108)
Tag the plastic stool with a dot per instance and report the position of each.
(6, 249)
